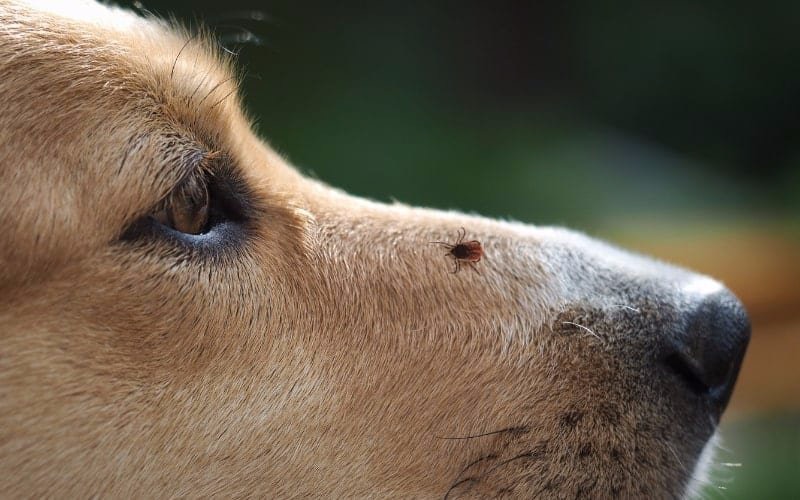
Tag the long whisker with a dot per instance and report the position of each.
(516, 430)
(629, 308)
(583, 328)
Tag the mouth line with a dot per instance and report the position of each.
(477, 477)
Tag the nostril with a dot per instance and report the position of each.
(708, 351)
(687, 369)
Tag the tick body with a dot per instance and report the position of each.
(463, 252)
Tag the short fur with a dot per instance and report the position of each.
(329, 352)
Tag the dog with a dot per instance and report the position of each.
(182, 313)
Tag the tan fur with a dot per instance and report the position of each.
(333, 354)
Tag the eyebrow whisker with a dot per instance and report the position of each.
(175, 62)
(220, 101)
(213, 89)
(203, 81)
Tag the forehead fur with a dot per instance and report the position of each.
(109, 56)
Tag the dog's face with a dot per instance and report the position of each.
(182, 313)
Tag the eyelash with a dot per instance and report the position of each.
(188, 205)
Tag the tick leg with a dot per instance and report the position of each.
(457, 266)
(462, 233)
(474, 267)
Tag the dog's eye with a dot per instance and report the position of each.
(207, 210)
(186, 209)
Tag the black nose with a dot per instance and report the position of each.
(708, 350)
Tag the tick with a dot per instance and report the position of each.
(463, 252)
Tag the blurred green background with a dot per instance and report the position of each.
(671, 127)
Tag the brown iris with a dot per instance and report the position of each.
(186, 208)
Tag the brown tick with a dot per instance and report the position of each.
(469, 252)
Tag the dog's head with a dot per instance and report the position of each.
(182, 313)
